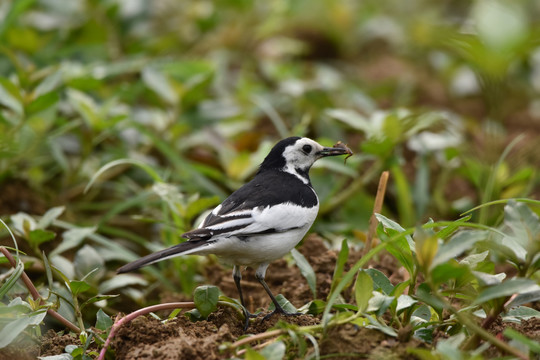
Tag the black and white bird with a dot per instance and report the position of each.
(262, 220)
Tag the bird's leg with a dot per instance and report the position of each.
(259, 274)
(237, 276)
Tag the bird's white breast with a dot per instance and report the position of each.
(291, 223)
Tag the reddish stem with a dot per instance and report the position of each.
(118, 323)
(35, 294)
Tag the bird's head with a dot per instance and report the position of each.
(297, 154)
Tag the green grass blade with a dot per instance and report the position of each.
(148, 169)
(306, 270)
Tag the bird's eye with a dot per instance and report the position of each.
(306, 148)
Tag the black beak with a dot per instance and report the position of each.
(334, 151)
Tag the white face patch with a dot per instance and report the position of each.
(300, 156)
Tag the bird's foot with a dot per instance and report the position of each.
(247, 316)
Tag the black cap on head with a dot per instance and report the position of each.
(275, 159)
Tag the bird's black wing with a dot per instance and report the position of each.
(249, 209)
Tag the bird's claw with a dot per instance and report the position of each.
(247, 316)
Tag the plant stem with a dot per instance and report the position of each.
(478, 330)
(117, 324)
(78, 313)
(490, 319)
(261, 336)
(377, 207)
(35, 294)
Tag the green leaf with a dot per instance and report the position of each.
(194, 315)
(160, 84)
(450, 347)
(285, 304)
(486, 279)
(379, 303)
(196, 207)
(450, 270)
(521, 313)
(404, 302)
(474, 259)
(340, 265)
(507, 288)
(401, 250)
(12, 279)
(306, 270)
(458, 244)
(89, 264)
(523, 229)
(422, 314)
(97, 298)
(16, 9)
(148, 169)
(274, 351)
(353, 119)
(363, 290)
(49, 84)
(399, 289)
(72, 238)
(14, 309)
(75, 351)
(77, 287)
(316, 307)
(390, 224)
(121, 280)
(206, 299)
(448, 230)
(253, 355)
(502, 26)
(43, 102)
(423, 293)
(404, 198)
(375, 324)
(234, 302)
(103, 321)
(85, 106)
(380, 281)
(51, 215)
(10, 96)
(426, 248)
(526, 297)
(39, 236)
(12, 329)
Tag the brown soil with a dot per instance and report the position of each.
(352, 342)
(16, 195)
(530, 328)
(179, 338)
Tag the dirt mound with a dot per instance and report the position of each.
(179, 338)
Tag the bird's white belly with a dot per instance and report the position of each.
(257, 250)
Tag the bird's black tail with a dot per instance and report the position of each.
(184, 248)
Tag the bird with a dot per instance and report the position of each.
(261, 221)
